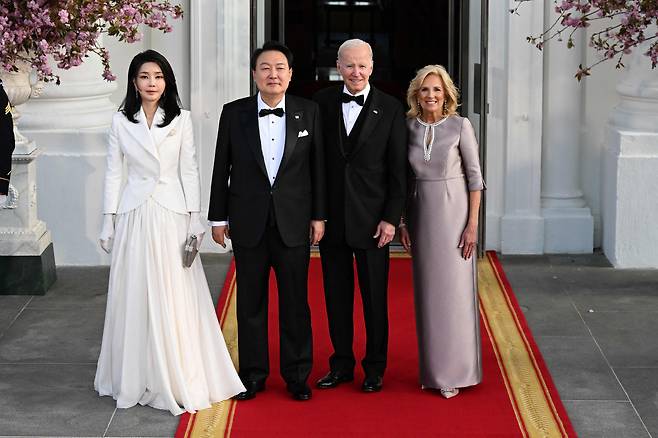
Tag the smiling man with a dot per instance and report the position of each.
(270, 148)
(366, 154)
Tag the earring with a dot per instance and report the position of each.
(136, 94)
(445, 107)
(420, 108)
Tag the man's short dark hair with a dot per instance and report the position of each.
(268, 46)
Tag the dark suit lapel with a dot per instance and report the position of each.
(294, 116)
(249, 120)
(371, 119)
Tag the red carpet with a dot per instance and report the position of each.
(516, 397)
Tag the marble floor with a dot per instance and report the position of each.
(594, 325)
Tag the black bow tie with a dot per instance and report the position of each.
(266, 112)
(348, 98)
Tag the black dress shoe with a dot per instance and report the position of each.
(372, 384)
(251, 389)
(333, 379)
(299, 391)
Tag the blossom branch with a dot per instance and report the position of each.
(631, 22)
(69, 30)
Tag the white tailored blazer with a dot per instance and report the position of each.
(161, 163)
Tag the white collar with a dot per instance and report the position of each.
(363, 92)
(263, 105)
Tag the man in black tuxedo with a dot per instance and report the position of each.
(366, 152)
(7, 144)
(270, 147)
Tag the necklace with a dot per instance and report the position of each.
(428, 137)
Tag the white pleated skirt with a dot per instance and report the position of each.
(162, 344)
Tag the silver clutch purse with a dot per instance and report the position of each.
(190, 251)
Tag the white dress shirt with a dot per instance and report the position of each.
(272, 132)
(351, 110)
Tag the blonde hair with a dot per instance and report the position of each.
(450, 90)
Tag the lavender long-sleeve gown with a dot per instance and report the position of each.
(445, 288)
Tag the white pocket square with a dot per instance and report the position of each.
(303, 133)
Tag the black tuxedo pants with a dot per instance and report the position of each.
(290, 266)
(338, 273)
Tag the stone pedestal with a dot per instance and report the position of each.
(27, 261)
(630, 209)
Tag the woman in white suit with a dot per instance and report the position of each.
(162, 344)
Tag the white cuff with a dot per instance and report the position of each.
(217, 223)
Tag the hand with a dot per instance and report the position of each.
(219, 233)
(405, 239)
(106, 237)
(468, 241)
(196, 228)
(316, 232)
(385, 232)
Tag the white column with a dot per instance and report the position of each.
(522, 227)
(69, 122)
(568, 223)
(220, 73)
(630, 169)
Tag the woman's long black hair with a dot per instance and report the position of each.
(169, 101)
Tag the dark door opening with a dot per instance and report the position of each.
(404, 35)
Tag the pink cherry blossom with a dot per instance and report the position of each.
(69, 30)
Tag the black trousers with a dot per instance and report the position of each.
(290, 266)
(338, 272)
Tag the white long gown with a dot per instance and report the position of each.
(162, 343)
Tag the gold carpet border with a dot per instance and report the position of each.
(527, 389)
(501, 366)
(217, 420)
(532, 356)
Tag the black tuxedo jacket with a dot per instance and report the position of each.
(298, 193)
(368, 184)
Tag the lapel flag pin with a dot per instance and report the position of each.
(375, 111)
